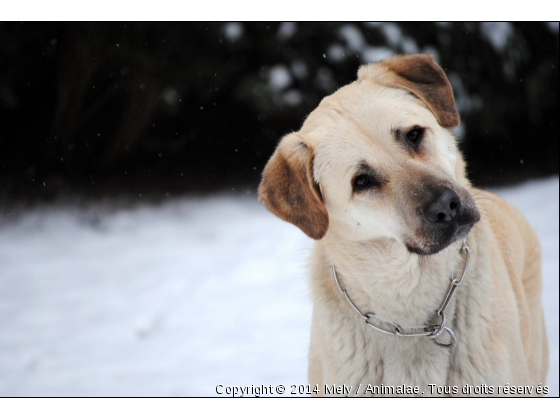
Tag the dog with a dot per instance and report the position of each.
(377, 180)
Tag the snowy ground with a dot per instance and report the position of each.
(174, 299)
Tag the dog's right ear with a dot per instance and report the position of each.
(289, 191)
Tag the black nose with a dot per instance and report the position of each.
(443, 206)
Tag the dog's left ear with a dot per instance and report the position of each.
(422, 76)
(288, 190)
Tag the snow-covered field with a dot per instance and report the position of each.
(174, 299)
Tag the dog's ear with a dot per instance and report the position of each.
(288, 190)
(422, 76)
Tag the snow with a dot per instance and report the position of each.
(324, 78)
(299, 68)
(430, 49)
(464, 100)
(374, 54)
(356, 42)
(233, 31)
(279, 77)
(336, 53)
(176, 298)
(393, 34)
(293, 97)
(409, 46)
(287, 30)
(353, 37)
(497, 33)
(394, 40)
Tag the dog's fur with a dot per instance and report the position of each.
(389, 258)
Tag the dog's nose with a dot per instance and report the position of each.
(443, 206)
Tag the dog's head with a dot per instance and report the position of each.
(375, 160)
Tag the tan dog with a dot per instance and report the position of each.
(376, 178)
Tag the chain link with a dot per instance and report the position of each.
(430, 331)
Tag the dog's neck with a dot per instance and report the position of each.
(383, 277)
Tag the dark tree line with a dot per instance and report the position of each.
(161, 108)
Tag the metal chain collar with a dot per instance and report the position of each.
(430, 331)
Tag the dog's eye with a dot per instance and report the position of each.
(415, 135)
(362, 182)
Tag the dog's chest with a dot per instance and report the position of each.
(366, 357)
(357, 355)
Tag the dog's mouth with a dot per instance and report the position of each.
(430, 248)
(435, 238)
